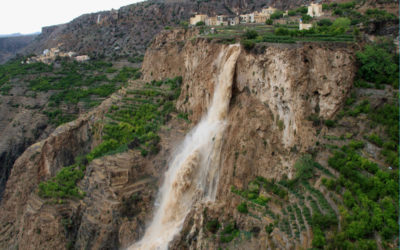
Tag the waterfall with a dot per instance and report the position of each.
(193, 173)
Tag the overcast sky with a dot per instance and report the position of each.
(29, 16)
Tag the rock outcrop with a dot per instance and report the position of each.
(278, 89)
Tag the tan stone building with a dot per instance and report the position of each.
(304, 26)
(247, 18)
(232, 21)
(211, 21)
(260, 17)
(270, 10)
(197, 18)
(315, 10)
(222, 20)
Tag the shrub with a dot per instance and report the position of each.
(380, 15)
(377, 64)
(339, 26)
(329, 123)
(292, 13)
(356, 144)
(304, 167)
(242, 208)
(302, 10)
(201, 23)
(269, 22)
(269, 228)
(375, 139)
(324, 22)
(63, 185)
(250, 34)
(306, 18)
(277, 14)
(213, 226)
(248, 44)
(319, 239)
(323, 221)
(229, 232)
(281, 31)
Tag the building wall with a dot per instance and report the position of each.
(211, 21)
(315, 10)
(261, 18)
(269, 11)
(197, 18)
(305, 26)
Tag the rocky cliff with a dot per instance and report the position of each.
(130, 29)
(276, 88)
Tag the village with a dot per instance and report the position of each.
(257, 17)
(50, 55)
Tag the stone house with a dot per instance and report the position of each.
(232, 21)
(222, 20)
(211, 21)
(247, 18)
(304, 26)
(260, 17)
(315, 10)
(198, 18)
(270, 10)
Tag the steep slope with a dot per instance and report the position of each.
(302, 161)
(276, 88)
(130, 29)
(274, 92)
(36, 98)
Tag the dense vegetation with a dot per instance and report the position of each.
(378, 65)
(352, 201)
(135, 125)
(132, 124)
(68, 83)
(63, 185)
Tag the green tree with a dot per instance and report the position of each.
(277, 14)
(378, 65)
(269, 22)
(250, 34)
(201, 23)
(340, 26)
(319, 238)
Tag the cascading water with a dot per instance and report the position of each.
(193, 173)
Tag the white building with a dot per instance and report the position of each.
(304, 26)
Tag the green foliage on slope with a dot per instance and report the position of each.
(132, 125)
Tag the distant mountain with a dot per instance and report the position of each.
(11, 44)
(18, 34)
(130, 29)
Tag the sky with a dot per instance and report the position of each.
(29, 16)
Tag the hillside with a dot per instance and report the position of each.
(128, 31)
(254, 136)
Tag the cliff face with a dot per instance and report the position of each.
(275, 89)
(119, 189)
